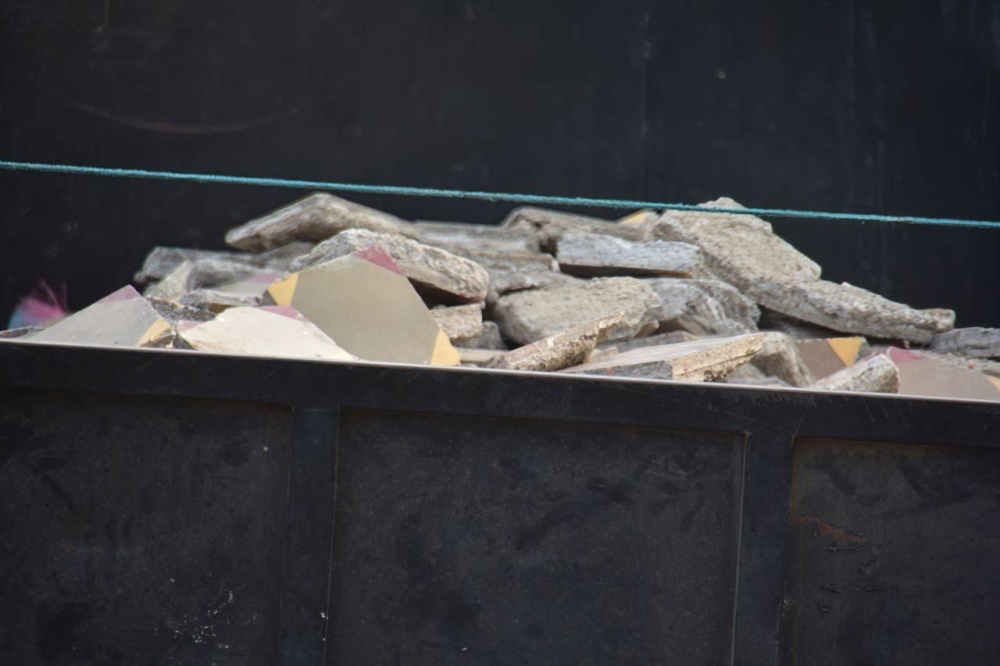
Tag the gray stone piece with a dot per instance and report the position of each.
(737, 307)
(739, 249)
(657, 340)
(436, 273)
(589, 254)
(550, 226)
(461, 238)
(460, 323)
(779, 357)
(875, 374)
(490, 338)
(750, 375)
(528, 316)
(314, 218)
(704, 360)
(516, 271)
(797, 330)
(975, 342)
(686, 306)
(214, 300)
(850, 309)
(174, 286)
(164, 260)
(570, 347)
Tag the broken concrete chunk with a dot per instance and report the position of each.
(685, 306)
(460, 323)
(477, 357)
(314, 218)
(489, 339)
(850, 309)
(436, 273)
(797, 330)
(875, 374)
(123, 318)
(264, 332)
(461, 238)
(779, 357)
(174, 312)
(164, 260)
(827, 356)
(704, 360)
(640, 219)
(735, 305)
(927, 374)
(570, 347)
(739, 249)
(750, 375)
(368, 307)
(589, 254)
(975, 342)
(528, 316)
(550, 226)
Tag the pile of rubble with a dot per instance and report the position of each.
(692, 296)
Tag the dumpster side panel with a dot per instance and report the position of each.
(894, 552)
(510, 541)
(139, 530)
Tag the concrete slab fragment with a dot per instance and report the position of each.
(688, 307)
(975, 342)
(313, 219)
(490, 338)
(460, 323)
(436, 273)
(550, 225)
(460, 238)
(875, 374)
(528, 316)
(779, 357)
(369, 310)
(570, 347)
(596, 254)
(704, 360)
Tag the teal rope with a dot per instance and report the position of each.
(537, 199)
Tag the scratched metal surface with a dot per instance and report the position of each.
(893, 554)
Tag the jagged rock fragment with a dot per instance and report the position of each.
(688, 307)
(779, 357)
(461, 238)
(489, 339)
(975, 342)
(365, 303)
(314, 218)
(704, 360)
(550, 226)
(569, 347)
(123, 318)
(460, 323)
(436, 273)
(528, 316)
(266, 331)
(596, 254)
(875, 374)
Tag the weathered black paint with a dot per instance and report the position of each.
(400, 514)
(863, 106)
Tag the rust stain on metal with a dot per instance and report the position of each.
(823, 528)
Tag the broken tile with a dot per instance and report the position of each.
(921, 374)
(314, 218)
(569, 347)
(704, 360)
(489, 339)
(436, 273)
(850, 309)
(460, 238)
(686, 306)
(875, 374)
(550, 225)
(174, 286)
(123, 318)
(828, 355)
(596, 254)
(640, 219)
(364, 303)
(264, 332)
(460, 323)
(974, 342)
(779, 357)
(528, 316)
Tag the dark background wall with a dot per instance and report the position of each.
(846, 105)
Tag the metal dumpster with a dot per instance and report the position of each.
(176, 507)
